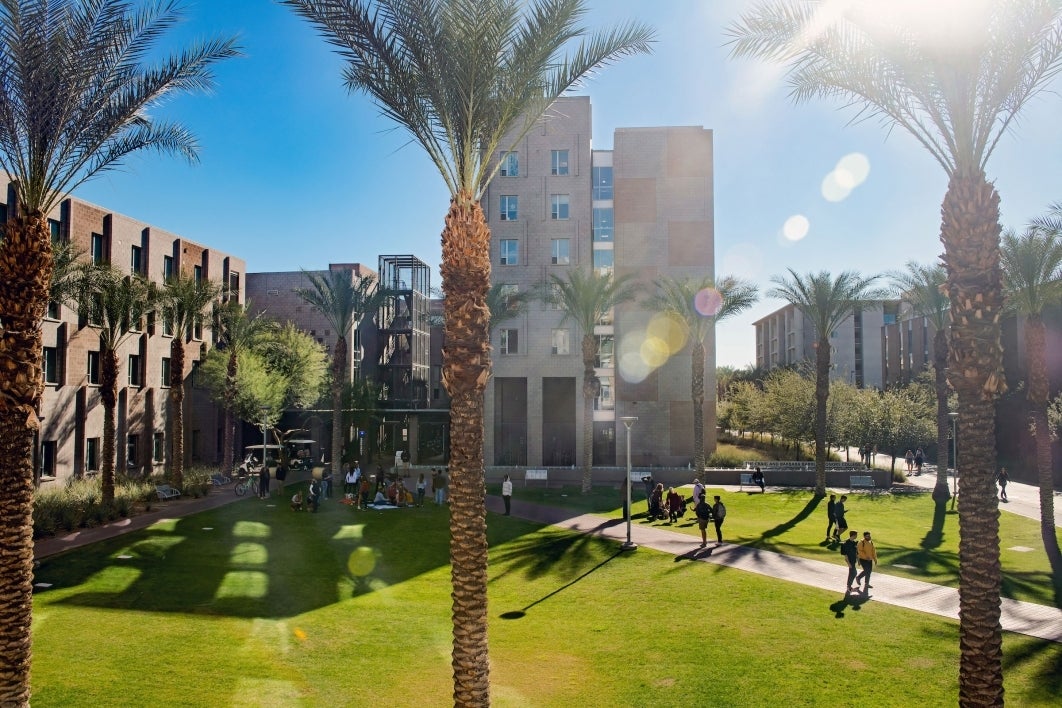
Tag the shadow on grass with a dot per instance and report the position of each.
(1047, 685)
(803, 514)
(517, 614)
(935, 536)
(850, 600)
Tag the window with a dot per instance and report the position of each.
(165, 371)
(554, 302)
(559, 251)
(234, 285)
(561, 342)
(197, 273)
(559, 162)
(510, 251)
(136, 260)
(136, 377)
(53, 310)
(167, 324)
(96, 249)
(167, 267)
(55, 229)
(51, 365)
(603, 226)
(558, 207)
(132, 450)
(158, 447)
(506, 293)
(94, 368)
(510, 164)
(602, 179)
(606, 346)
(197, 328)
(509, 210)
(604, 400)
(603, 259)
(509, 341)
(49, 448)
(92, 454)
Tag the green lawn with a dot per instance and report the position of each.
(253, 605)
(794, 522)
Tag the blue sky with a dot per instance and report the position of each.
(295, 172)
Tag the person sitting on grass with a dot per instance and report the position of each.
(380, 499)
(296, 502)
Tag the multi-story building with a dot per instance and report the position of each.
(644, 208)
(71, 410)
(786, 338)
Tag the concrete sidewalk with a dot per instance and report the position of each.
(1028, 618)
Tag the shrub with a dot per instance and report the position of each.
(79, 504)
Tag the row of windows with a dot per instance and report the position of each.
(558, 163)
(559, 207)
(135, 368)
(94, 447)
(559, 251)
(560, 345)
(136, 259)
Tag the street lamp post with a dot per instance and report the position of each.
(265, 427)
(628, 421)
(954, 456)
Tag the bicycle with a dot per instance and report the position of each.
(245, 483)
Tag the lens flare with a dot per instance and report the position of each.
(654, 352)
(362, 561)
(708, 302)
(796, 227)
(668, 328)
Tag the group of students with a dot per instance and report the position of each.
(855, 552)
(311, 500)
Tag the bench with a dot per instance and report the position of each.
(859, 480)
(746, 479)
(536, 476)
(165, 492)
(219, 480)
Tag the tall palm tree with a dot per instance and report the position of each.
(343, 299)
(466, 79)
(682, 298)
(586, 296)
(116, 304)
(954, 76)
(826, 302)
(75, 100)
(237, 330)
(185, 301)
(924, 288)
(1032, 278)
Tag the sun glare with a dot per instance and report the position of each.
(796, 227)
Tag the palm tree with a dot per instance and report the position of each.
(75, 100)
(116, 304)
(1032, 277)
(682, 298)
(467, 79)
(923, 287)
(186, 300)
(956, 87)
(826, 302)
(586, 296)
(343, 299)
(237, 331)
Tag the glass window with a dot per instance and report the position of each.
(558, 206)
(509, 209)
(165, 371)
(603, 259)
(602, 178)
(603, 225)
(506, 293)
(55, 229)
(53, 310)
(509, 341)
(136, 263)
(132, 450)
(510, 251)
(510, 164)
(93, 367)
(92, 454)
(559, 254)
(96, 248)
(51, 365)
(604, 400)
(561, 342)
(554, 302)
(158, 447)
(559, 162)
(135, 375)
(197, 273)
(167, 267)
(606, 345)
(49, 449)
(197, 328)
(167, 324)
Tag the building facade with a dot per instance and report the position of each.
(69, 440)
(644, 209)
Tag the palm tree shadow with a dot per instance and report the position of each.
(783, 527)
(935, 536)
(517, 614)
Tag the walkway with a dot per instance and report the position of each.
(1028, 618)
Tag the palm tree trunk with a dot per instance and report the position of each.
(177, 409)
(697, 394)
(970, 232)
(822, 393)
(25, 273)
(940, 362)
(591, 389)
(228, 433)
(1037, 396)
(109, 398)
(339, 380)
(466, 367)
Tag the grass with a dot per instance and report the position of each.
(910, 542)
(252, 604)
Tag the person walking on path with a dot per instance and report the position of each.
(263, 481)
(698, 491)
(908, 458)
(703, 512)
(1002, 479)
(850, 552)
(838, 513)
(868, 556)
(507, 494)
(920, 458)
(718, 514)
(831, 515)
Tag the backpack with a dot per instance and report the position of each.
(722, 511)
(842, 550)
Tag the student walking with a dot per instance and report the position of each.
(831, 515)
(868, 556)
(507, 494)
(842, 523)
(703, 512)
(850, 552)
(718, 514)
(1002, 479)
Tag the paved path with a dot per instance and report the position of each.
(1022, 617)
